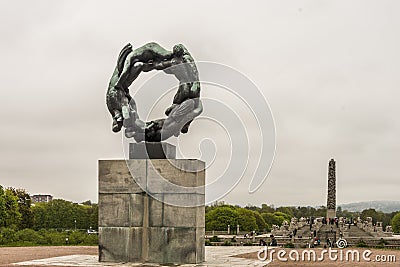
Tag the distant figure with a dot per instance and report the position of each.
(273, 243)
(328, 242)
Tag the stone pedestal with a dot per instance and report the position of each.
(152, 150)
(136, 227)
(331, 213)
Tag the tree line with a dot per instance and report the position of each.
(261, 219)
(60, 221)
(56, 222)
(18, 212)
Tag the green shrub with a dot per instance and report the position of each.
(53, 237)
(82, 238)
(361, 244)
(7, 235)
(288, 245)
(215, 239)
(208, 243)
(395, 222)
(382, 243)
(29, 236)
(76, 238)
(227, 243)
(91, 239)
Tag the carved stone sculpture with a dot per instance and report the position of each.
(331, 199)
(389, 229)
(331, 202)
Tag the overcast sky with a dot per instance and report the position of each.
(329, 70)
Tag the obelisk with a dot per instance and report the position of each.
(331, 201)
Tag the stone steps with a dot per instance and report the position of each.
(304, 231)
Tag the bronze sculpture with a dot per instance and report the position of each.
(186, 103)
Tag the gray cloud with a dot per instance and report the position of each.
(328, 69)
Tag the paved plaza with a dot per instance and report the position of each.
(215, 256)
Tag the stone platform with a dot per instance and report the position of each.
(145, 219)
(215, 256)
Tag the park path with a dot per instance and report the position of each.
(9, 255)
(87, 256)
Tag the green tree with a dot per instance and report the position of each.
(396, 223)
(287, 210)
(345, 213)
(265, 208)
(246, 220)
(2, 207)
(24, 207)
(320, 212)
(389, 217)
(261, 224)
(376, 216)
(301, 212)
(286, 216)
(12, 215)
(40, 216)
(252, 208)
(62, 214)
(271, 218)
(94, 216)
(56, 214)
(219, 218)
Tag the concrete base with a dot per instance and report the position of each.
(330, 213)
(136, 227)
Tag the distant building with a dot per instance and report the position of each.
(41, 198)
